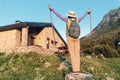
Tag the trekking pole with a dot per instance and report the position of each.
(52, 26)
(90, 24)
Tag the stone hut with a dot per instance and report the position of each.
(22, 35)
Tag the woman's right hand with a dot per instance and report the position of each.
(50, 7)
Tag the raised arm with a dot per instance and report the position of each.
(57, 14)
(84, 15)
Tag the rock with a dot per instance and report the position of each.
(90, 69)
(100, 56)
(14, 69)
(89, 57)
(77, 76)
(63, 65)
(39, 50)
(37, 69)
(109, 78)
(47, 64)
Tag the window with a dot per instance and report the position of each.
(52, 42)
(56, 42)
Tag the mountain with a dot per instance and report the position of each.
(110, 20)
(106, 33)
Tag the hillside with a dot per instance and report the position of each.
(105, 35)
(33, 66)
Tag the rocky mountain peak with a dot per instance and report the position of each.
(111, 16)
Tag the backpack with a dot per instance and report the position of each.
(73, 28)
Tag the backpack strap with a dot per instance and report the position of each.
(69, 22)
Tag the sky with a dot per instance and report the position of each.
(37, 11)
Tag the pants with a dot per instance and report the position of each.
(74, 50)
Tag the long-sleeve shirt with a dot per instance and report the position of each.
(65, 19)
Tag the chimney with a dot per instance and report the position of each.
(18, 21)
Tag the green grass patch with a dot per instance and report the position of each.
(30, 66)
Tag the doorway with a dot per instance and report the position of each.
(32, 40)
(48, 43)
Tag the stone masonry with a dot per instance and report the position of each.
(19, 40)
(24, 37)
(7, 40)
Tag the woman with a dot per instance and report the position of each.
(73, 43)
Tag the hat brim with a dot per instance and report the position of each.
(71, 15)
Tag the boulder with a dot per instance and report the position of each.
(63, 65)
(109, 78)
(77, 76)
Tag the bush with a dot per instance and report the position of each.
(106, 50)
(98, 49)
(88, 51)
(118, 50)
(110, 52)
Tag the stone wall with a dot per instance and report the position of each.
(24, 37)
(40, 39)
(36, 49)
(16, 40)
(8, 40)
(46, 37)
(52, 35)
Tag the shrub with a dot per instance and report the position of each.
(98, 49)
(118, 50)
(110, 52)
(106, 50)
(88, 51)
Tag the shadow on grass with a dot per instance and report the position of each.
(65, 62)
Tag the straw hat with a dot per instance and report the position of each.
(71, 14)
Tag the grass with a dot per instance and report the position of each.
(30, 66)
(102, 68)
